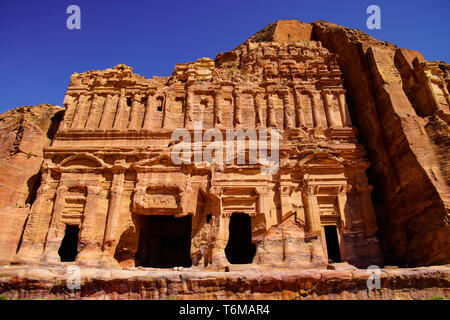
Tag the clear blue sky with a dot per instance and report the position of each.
(38, 53)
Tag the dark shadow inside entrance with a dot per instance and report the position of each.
(69, 246)
(240, 249)
(332, 240)
(164, 241)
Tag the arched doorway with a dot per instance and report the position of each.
(240, 249)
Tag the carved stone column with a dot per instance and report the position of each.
(107, 111)
(120, 111)
(149, 112)
(237, 109)
(312, 213)
(216, 192)
(90, 246)
(345, 114)
(315, 109)
(300, 117)
(78, 117)
(262, 193)
(116, 191)
(93, 115)
(133, 125)
(331, 117)
(218, 256)
(188, 118)
(285, 190)
(258, 110)
(288, 121)
(218, 253)
(218, 109)
(165, 120)
(271, 111)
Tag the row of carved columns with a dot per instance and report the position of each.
(88, 113)
(46, 227)
(82, 113)
(290, 120)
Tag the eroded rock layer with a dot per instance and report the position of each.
(395, 284)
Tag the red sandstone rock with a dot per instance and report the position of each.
(24, 132)
(400, 104)
(50, 283)
(284, 31)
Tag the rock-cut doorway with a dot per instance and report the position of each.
(240, 249)
(164, 241)
(332, 242)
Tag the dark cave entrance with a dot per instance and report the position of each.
(332, 241)
(240, 249)
(164, 241)
(69, 246)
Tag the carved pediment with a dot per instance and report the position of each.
(321, 158)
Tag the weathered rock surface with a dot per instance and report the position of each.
(24, 132)
(284, 31)
(400, 104)
(138, 284)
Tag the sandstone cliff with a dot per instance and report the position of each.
(24, 132)
(400, 104)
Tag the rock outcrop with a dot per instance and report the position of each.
(400, 104)
(24, 132)
(143, 284)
